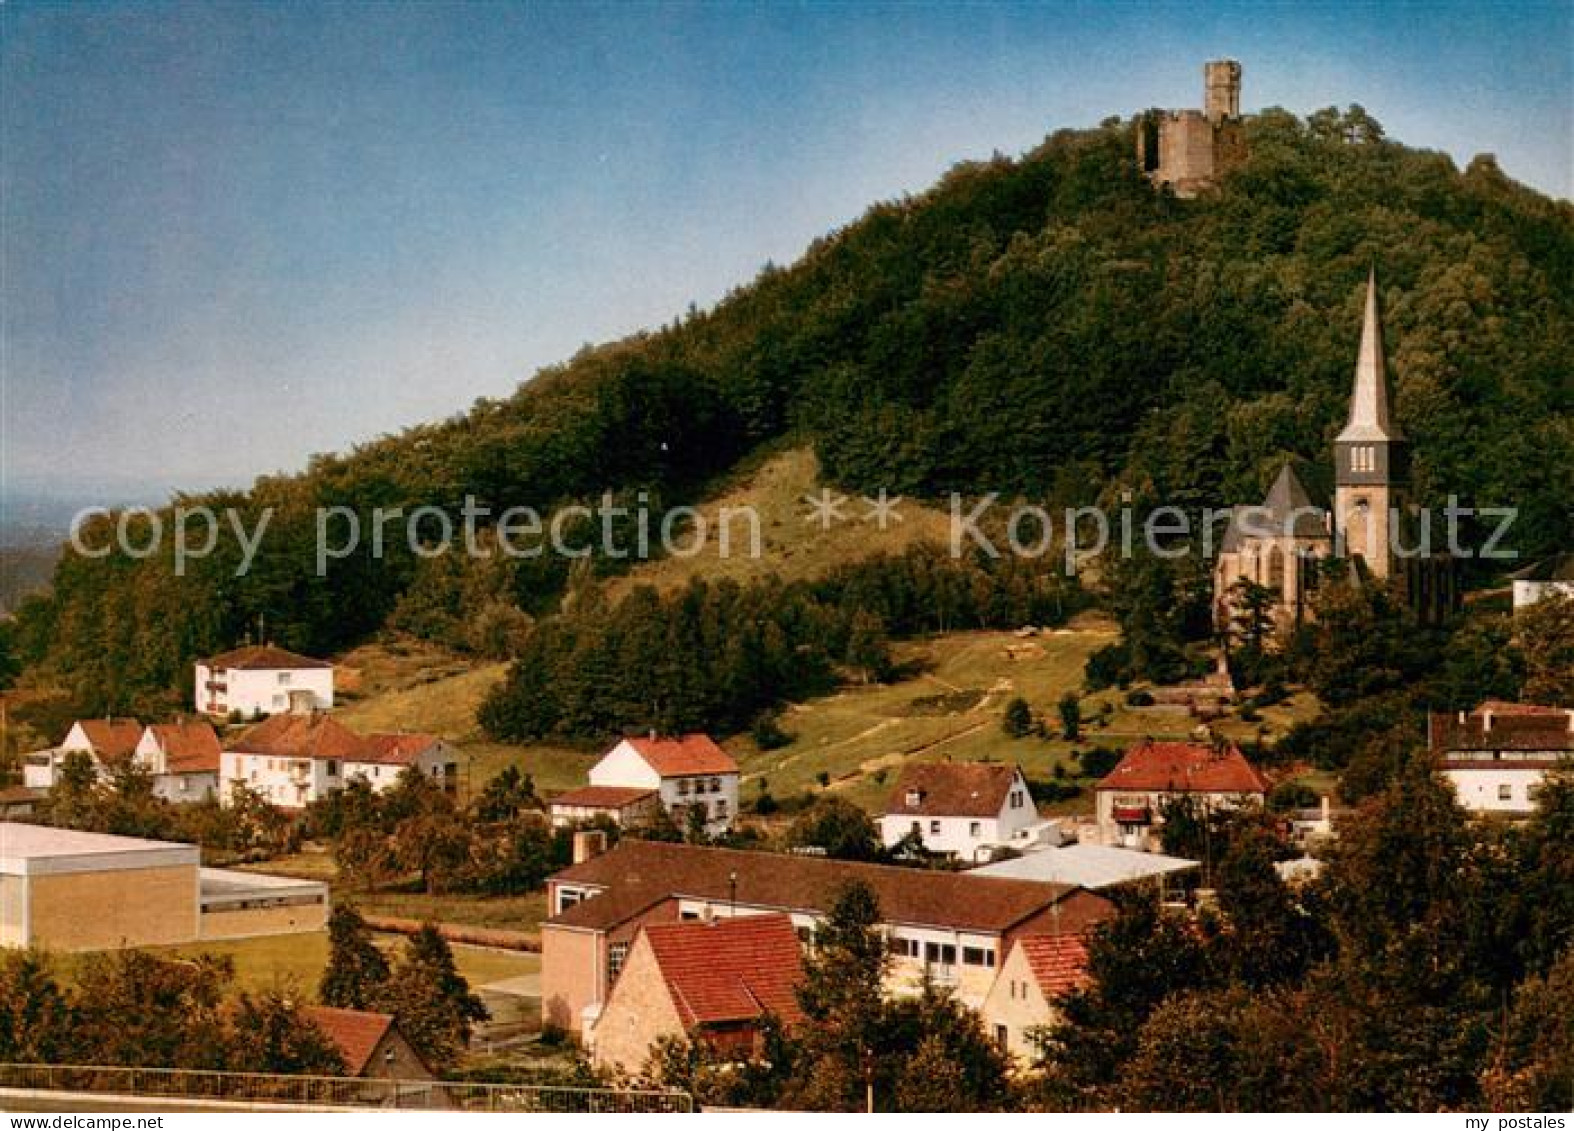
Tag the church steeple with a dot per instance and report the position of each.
(1369, 415)
(1370, 466)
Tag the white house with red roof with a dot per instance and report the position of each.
(261, 679)
(293, 759)
(107, 742)
(713, 982)
(1131, 799)
(1037, 972)
(961, 809)
(183, 758)
(1497, 755)
(388, 755)
(685, 772)
(621, 804)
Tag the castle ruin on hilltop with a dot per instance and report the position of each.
(1189, 149)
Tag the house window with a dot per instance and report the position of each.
(688, 915)
(940, 954)
(715, 785)
(1505, 793)
(279, 700)
(1016, 799)
(934, 828)
(721, 809)
(1533, 791)
(1000, 1035)
(333, 768)
(903, 948)
(917, 829)
(566, 898)
(975, 829)
(616, 953)
(913, 798)
(683, 787)
(978, 956)
(284, 679)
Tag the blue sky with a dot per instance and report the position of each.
(237, 234)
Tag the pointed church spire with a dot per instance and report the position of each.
(1369, 416)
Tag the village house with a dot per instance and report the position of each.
(1131, 798)
(108, 742)
(1037, 972)
(712, 981)
(183, 758)
(621, 804)
(295, 759)
(1553, 577)
(261, 679)
(960, 809)
(948, 926)
(370, 1044)
(1497, 755)
(687, 773)
(387, 756)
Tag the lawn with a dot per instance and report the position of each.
(298, 960)
(791, 547)
(505, 912)
(953, 709)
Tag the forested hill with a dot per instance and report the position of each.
(1046, 325)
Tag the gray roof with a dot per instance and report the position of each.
(1286, 509)
(1091, 866)
(1559, 567)
(36, 849)
(1370, 419)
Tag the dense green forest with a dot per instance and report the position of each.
(1050, 326)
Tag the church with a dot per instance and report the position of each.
(1282, 543)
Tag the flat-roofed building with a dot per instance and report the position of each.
(66, 890)
(1091, 866)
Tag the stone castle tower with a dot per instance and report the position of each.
(1189, 149)
(1371, 468)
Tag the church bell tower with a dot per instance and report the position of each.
(1371, 468)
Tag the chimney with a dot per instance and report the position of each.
(1571, 721)
(1486, 722)
(1325, 809)
(588, 844)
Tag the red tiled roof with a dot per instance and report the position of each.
(690, 754)
(1506, 726)
(952, 789)
(356, 1033)
(262, 657)
(1504, 707)
(735, 969)
(397, 749)
(638, 874)
(1185, 767)
(112, 740)
(603, 796)
(190, 746)
(1059, 962)
(302, 736)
